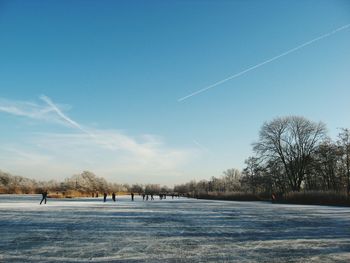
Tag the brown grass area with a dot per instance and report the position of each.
(303, 198)
(315, 198)
(231, 196)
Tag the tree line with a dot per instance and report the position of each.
(85, 183)
(292, 154)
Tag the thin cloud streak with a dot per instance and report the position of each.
(73, 123)
(63, 116)
(265, 62)
(105, 151)
(24, 109)
(51, 112)
(199, 145)
(32, 110)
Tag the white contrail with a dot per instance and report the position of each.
(205, 149)
(75, 124)
(63, 116)
(265, 62)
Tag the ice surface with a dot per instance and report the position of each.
(179, 230)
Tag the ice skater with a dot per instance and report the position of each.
(113, 196)
(104, 197)
(273, 197)
(143, 196)
(132, 196)
(44, 194)
(152, 197)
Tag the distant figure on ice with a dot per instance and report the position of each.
(143, 196)
(152, 197)
(132, 196)
(113, 196)
(146, 197)
(44, 194)
(273, 197)
(104, 197)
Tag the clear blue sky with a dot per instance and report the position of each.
(114, 71)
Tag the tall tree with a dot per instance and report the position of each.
(291, 141)
(231, 179)
(324, 172)
(253, 175)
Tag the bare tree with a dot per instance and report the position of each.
(323, 174)
(152, 188)
(252, 175)
(344, 143)
(232, 180)
(137, 188)
(291, 141)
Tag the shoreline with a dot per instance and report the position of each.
(289, 199)
(212, 198)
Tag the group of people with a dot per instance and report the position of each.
(145, 197)
(113, 197)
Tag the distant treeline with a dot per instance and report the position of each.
(85, 183)
(292, 154)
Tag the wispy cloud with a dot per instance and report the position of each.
(264, 63)
(107, 151)
(25, 109)
(33, 110)
(201, 146)
(53, 107)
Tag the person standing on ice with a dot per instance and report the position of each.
(143, 196)
(113, 196)
(104, 197)
(44, 194)
(132, 196)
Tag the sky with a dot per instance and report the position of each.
(99, 85)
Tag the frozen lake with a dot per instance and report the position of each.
(179, 230)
